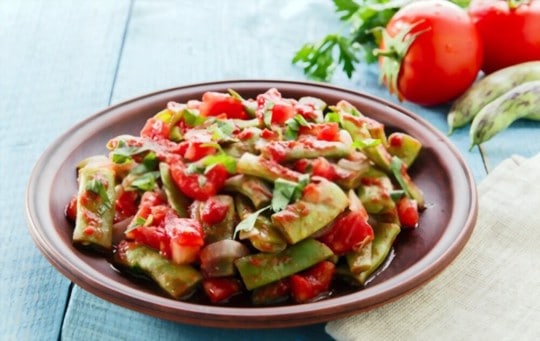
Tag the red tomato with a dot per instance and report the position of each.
(214, 211)
(312, 282)
(221, 289)
(125, 205)
(215, 104)
(195, 150)
(441, 62)
(510, 33)
(199, 186)
(155, 129)
(324, 131)
(408, 212)
(71, 209)
(349, 231)
(322, 167)
(282, 109)
(185, 236)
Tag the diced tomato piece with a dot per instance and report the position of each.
(194, 151)
(151, 236)
(322, 131)
(186, 238)
(303, 166)
(199, 186)
(268, 134)
(221, 289)
(214, 211)
(272, 293)
(71, 209)
(322, 167)
(395, 140)
(125, 205)
(312, 282)
(282, 108)
(155, 129)
(407, 209)
(349, 231)
(216, 103)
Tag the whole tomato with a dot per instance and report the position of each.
(510, 31)
(430, 52)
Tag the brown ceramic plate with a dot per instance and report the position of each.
(419, 255)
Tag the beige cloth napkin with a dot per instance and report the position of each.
(492, 289)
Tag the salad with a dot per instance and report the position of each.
(276, 200)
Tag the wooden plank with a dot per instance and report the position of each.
(57, 61)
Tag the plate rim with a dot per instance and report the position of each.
(294, 317)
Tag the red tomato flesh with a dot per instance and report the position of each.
(221, 289)
(215, 104)
(348, 232)
(312, 282)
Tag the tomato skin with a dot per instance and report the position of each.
(125, 205)
(221, 289)
(408, 212)
(71, 209)
(509, 35)
(216, 103)
(199, 186)
(348, 232)
(322, 167)
(444, 60)
(312, 282)
(155, 129)
(282, 109)
(214, 211)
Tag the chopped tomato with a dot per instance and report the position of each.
(323, 131)
(216, 103)
(195, 150)
(322, 167)
(312, 282)
(186, 238)
(281, 109)
(272, 293)
(408, 212)
(125, 205)
(214, 211)
(71, 209)
(199, 186)
(155, 129)
(221, 289)
(349, 231)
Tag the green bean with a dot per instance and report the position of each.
(521, 102)
(488, 89)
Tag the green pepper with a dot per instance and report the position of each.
(263, 268)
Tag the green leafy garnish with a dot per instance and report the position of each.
(361, 17)
(396, 166)
(249, 222)
(292, 126)
(221, 130)
(124, 153)
(192, 118)
(333, 117)
(286, 191)
(226, 160)
(96, 186)
(146, 182)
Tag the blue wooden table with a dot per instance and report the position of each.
(62, 60)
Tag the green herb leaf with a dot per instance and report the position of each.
(146, 182)
(286, 191)
(124, 153)
(221, 158)
(249, 222)
(333, 117)
(396, 166)
(96, 186)
(192, 118)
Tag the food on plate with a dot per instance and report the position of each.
(523, 101)
(509, 30)
(488, 89)
(272, 199)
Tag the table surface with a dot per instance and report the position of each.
(63, 60)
